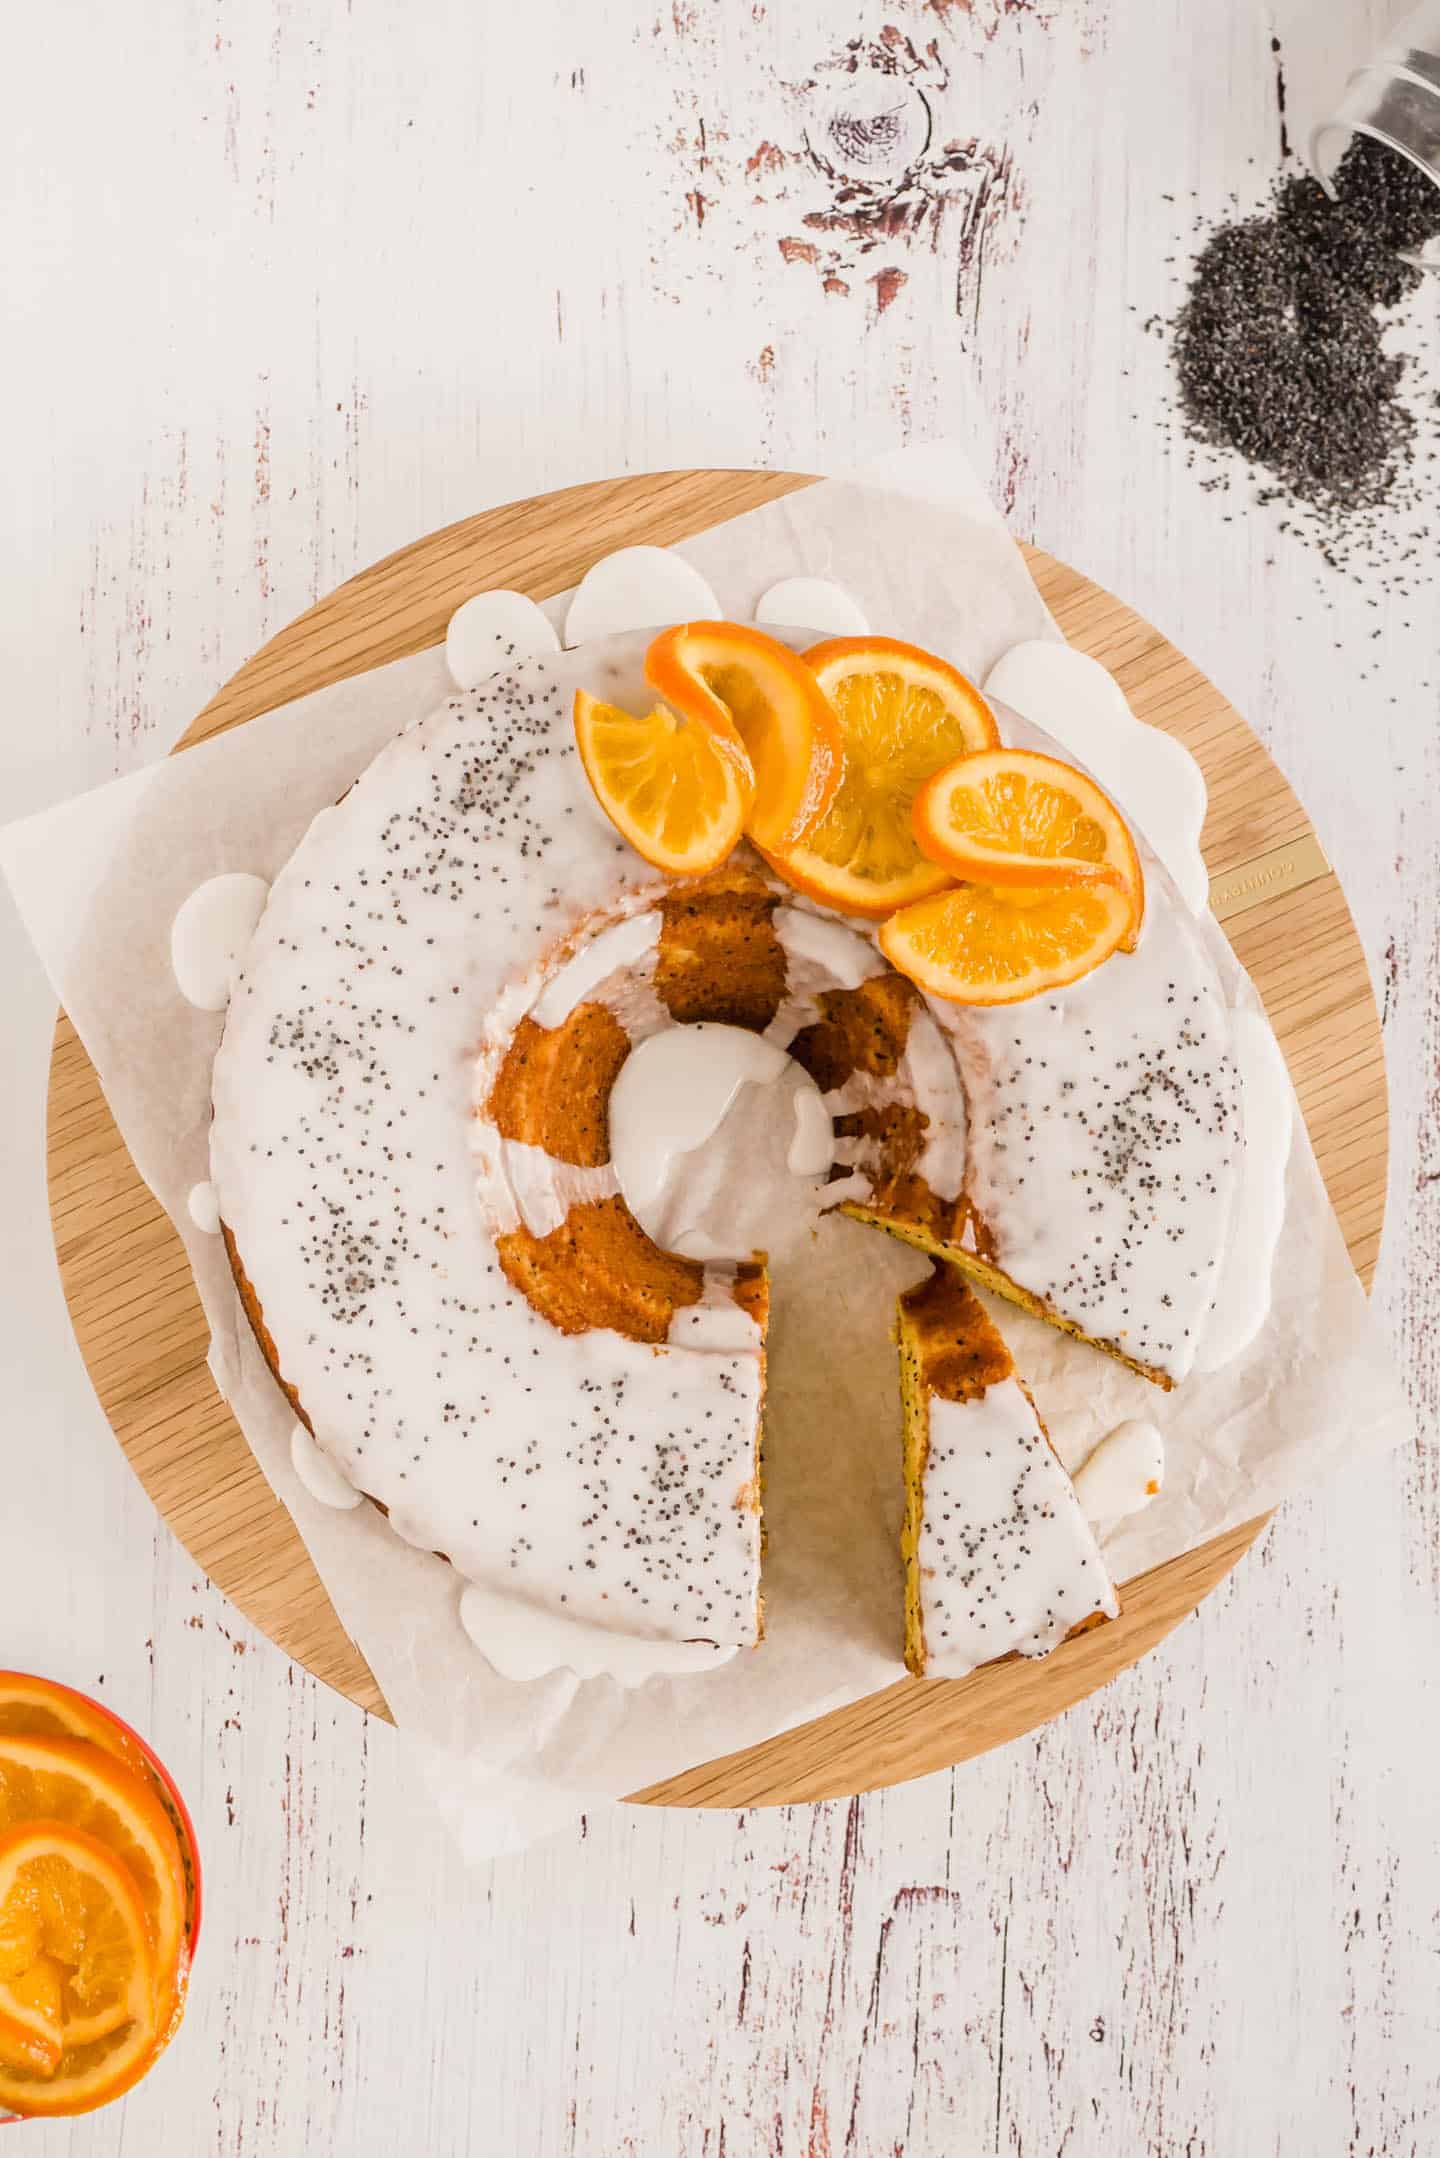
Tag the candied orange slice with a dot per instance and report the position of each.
(32, 2011)
(725, 671)
(671, 786)
(76, 1972)
(43, 1708)
(976, 944)
(1016, 817)
(68, 1780)
(903, 714)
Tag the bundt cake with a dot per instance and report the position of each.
(412, 1151)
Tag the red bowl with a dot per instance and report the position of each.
(175, 1806)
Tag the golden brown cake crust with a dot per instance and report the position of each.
(263, 1336)
(719, 958)
(752, 1292)
(553, 1088)
(599, 1268)
(968, 1248)
(958, 1348)
(862, 1029)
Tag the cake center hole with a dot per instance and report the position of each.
(721, 1144)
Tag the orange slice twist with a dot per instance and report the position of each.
(727, 672)
(1016, 818)
(902, 714)
(78, 2010)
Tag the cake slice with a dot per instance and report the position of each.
(998, 1556)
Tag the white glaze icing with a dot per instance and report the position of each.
(672, 1095)
(204, 1208)
(521, 1641)
(1007, 1559)
(717, 1321)
(820, 954)
(490, 630)
(1105, 1144)
(840, 957)
(704, 1120)
(211, 935)
(541, 1189)
(620, 948)
(318, 1473)
(638, 588)
(812, 1141)
(1154, 779)
(928, 1074)
(348, 1077)
(1243, 1302)
(928, 1077)
(815, 602)
(1123, 1474)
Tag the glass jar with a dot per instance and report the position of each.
(1395, 99)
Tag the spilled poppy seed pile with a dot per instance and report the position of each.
(1280, 346)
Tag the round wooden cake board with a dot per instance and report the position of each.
(133, 1302)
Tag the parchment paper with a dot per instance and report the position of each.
(98, 883)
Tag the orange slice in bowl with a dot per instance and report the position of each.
(677, 789)
(1014, 817)
(76, 1972)
(40, 1707)
(975, 944)
(903, 714)
(68, 1780)
(719, 672)
(32, 2009)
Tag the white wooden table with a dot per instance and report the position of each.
(295, 280)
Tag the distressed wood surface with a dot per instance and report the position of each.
(138, 1319)
(293, 282)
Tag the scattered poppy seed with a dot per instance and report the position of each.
(1279, 345)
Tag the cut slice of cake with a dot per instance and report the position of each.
(999, 1557)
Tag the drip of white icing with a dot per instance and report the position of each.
(812, 1143)
(638, 588)
(203, 1207)
(927, 1077)
(928, 1068)
(490, 630)
(672, 1095)
(844, 956)
(622, 946)
(702, 1123)
(856, 1188)
(318, 1473)
(717, 1321)
(820, 954)
(1007, 1558)
(1242, 1303)
(1122, 1474)
(1154, 779)
(211, 934)
(812, 603)
(544, 1190)
(521, 1641)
